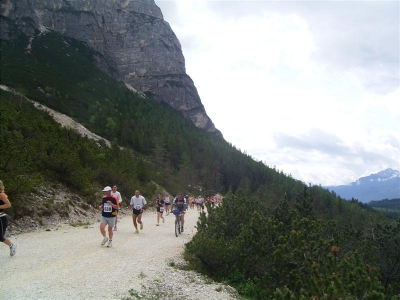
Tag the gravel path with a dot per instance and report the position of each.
(69, 263)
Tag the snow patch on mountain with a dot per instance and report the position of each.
(382, 185)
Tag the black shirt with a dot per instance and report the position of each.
(108, 211)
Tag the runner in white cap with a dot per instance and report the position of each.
(108, 207)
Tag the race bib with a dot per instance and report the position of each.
(161, 209)
(137, 207)
(107, 207)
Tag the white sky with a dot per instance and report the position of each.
(311, 87)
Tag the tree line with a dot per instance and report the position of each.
(287, 252)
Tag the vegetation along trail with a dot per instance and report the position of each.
(68, 263)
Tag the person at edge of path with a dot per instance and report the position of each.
(167, 203)
(160, 209)
(180, 204)
(108, 207)
(116, 195)
(138, 204)
(5, 203)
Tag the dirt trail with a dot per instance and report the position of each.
(69, 263)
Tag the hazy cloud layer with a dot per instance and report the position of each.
(310, 87)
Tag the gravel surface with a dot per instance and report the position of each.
(68, 262)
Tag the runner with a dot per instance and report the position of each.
(200, 201)
(160, 209)
(116, 195)
(167, 204)
(5, 203)
(108, 207)
(191, 202)
(180, 203)
(138, 203)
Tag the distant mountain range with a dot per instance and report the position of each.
(382, 185)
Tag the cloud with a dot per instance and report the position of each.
(349, 36)
(314, 140)
(311, 87)
(359, 36)
(305, 155)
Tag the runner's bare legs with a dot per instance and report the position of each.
(134, 218)
(103, 230)
(139, 218)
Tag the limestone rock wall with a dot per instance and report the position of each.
(131, 35)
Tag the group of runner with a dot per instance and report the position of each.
(180, 203)
(110, 206)
(196, 202)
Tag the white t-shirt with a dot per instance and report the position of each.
(138, 202)
(118, 195)
(166, 199)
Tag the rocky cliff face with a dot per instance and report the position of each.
(131, 35)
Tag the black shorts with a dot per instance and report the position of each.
(167, 203)
(137, 211)
(3, 227)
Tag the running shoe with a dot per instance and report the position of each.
(136, 231)
(109, 245)
(157, 224)
(181, 228)
(141, 226)
(115, 228)
(13, 248)
(105, 239)
(163, 220)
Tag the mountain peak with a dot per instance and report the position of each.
(380, 176)
(378, 186)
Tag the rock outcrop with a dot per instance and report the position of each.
(132, 36)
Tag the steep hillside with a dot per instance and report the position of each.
(132, 41)
(60, 73)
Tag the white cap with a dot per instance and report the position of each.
(107, 189)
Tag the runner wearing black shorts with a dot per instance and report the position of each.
(137, 204)
(160, 210)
